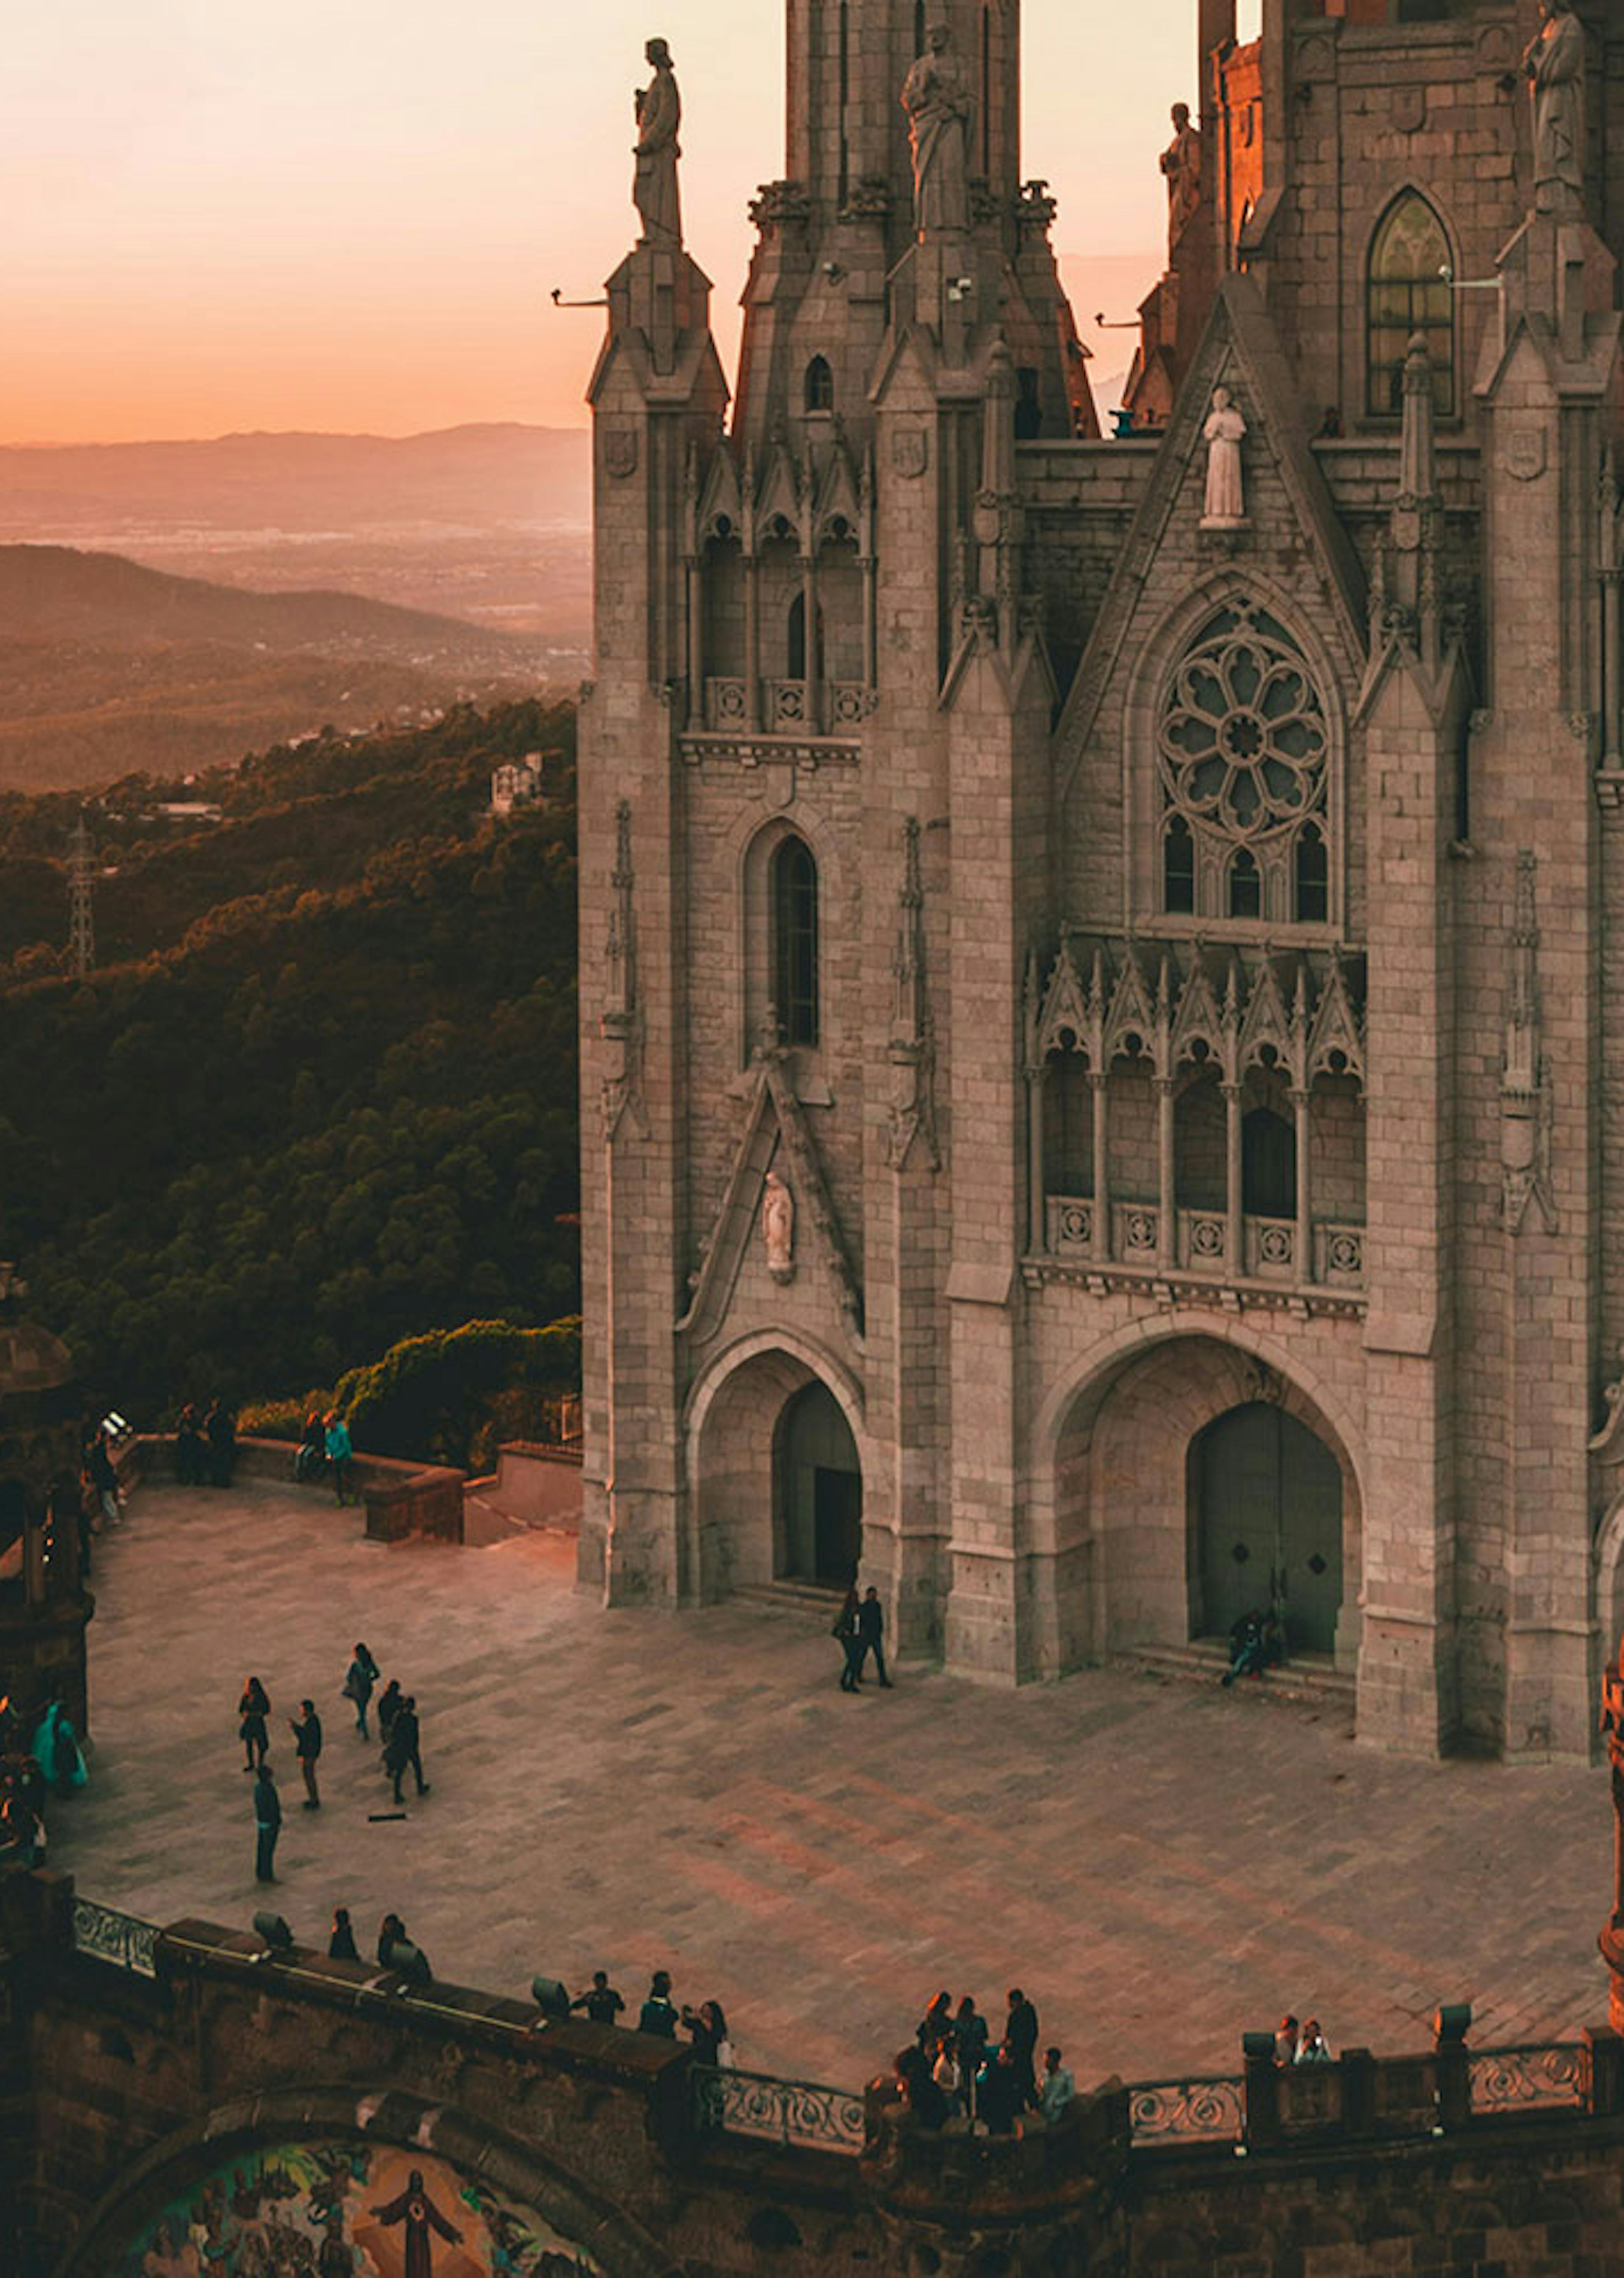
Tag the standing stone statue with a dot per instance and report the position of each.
(659, 110)
(938, 110)
(1225, 505)
(778, 1227)
(1181, 162)
(1554, 62)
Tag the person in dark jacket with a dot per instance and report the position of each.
(388, 1710)
(1003, 2092)
(1020, 2033)
(307, 1730)
(398, 1950)
(312, 1453)
(190, 1449)
(342, 1944)
(603, 2005)
(926, 2101)
(220, 1432)
(659, 2013)
(845, 1630)
(970, 2037)
(403, 1746)
(253, 1709)
(871, 1631)
(267, 1823)
(707, 2027)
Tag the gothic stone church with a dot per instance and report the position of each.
(1102, 960)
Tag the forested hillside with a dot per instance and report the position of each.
(327, 1096)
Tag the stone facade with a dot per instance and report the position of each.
(1163, 954)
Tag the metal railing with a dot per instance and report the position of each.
(788, 2111)
(1552, 2078)
(107, 1936)
(1187, 2111)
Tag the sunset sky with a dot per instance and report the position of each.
(348, 214)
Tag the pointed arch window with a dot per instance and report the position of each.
(1268, 1165)
(1178, 868)
(1407, 294)
(820, 388)
(794, 907)
(1310, 877)
(1245, 885)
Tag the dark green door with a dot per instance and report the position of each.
(1269, 1521)
(837, 1525)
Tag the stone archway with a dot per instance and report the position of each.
(775, 1470)
(1266, 1522)
(1124, 1528)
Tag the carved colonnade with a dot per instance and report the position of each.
(1185, 1020)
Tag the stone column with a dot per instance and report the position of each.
(1167, 1245)
(869, 666)
(1612, 695)
(813, 659)
(696, 640)
(1100, 1087)
(1302, 1102)
(1235, 1232)
(752, 643)
(1037, 1228)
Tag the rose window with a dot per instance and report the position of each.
(1241, 748)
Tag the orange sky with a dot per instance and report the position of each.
(349, 216)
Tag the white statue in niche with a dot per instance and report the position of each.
(1225, 505)
(777, 1228)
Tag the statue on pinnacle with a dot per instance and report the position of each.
(938, 108)
(659, 109)
(1554, 62)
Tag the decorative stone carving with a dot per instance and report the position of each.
(1554, 61)
(1225, 506)
(938, 108)
(778, 1227)
(619, 1024)
(1181, 164)
(659, 111)
(1607, 1445)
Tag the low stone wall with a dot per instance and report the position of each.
(537, 1484)
(401, 1500)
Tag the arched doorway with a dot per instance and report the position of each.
(817, 1491)
(1267, 1506)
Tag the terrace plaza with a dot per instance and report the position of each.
(1161, 1864)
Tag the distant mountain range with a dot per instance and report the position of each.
(107, 667)
(490, 475)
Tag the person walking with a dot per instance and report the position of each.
(388, 1710)
(253, 1709)
(659, 2013)
(267, 1822)
(340, 1454)
(306, 1732)
(603, 2005)
(1020, 2032)
(871, 1631)
(359, 1679)
(342, 1944)
(845, 1629)
(403, 1747)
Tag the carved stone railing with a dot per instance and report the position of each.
(107, 1936)
(1187, 2112)
(1554, 2078)
(1269, 1244)
(786, 2111)
(788, 707)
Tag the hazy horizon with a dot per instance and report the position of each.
(352, 225)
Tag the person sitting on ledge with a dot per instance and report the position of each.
(918, 2092)
(1286, 2033)
(1255, 1645)
(342, 1944)
(1057, 2088)
(397, 1951)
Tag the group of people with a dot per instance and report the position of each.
(1300, 2044)
(205, 1446)
(34, 1765)
(325, 1445)
(860, 1627)
(955, 2072)
(398, 1728)
(706, 2026)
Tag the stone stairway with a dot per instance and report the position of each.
(1307, 1677)
(789, 1596)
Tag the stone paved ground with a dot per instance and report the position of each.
(1159, 1866)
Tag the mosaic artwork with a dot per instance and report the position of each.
(348, 2211)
